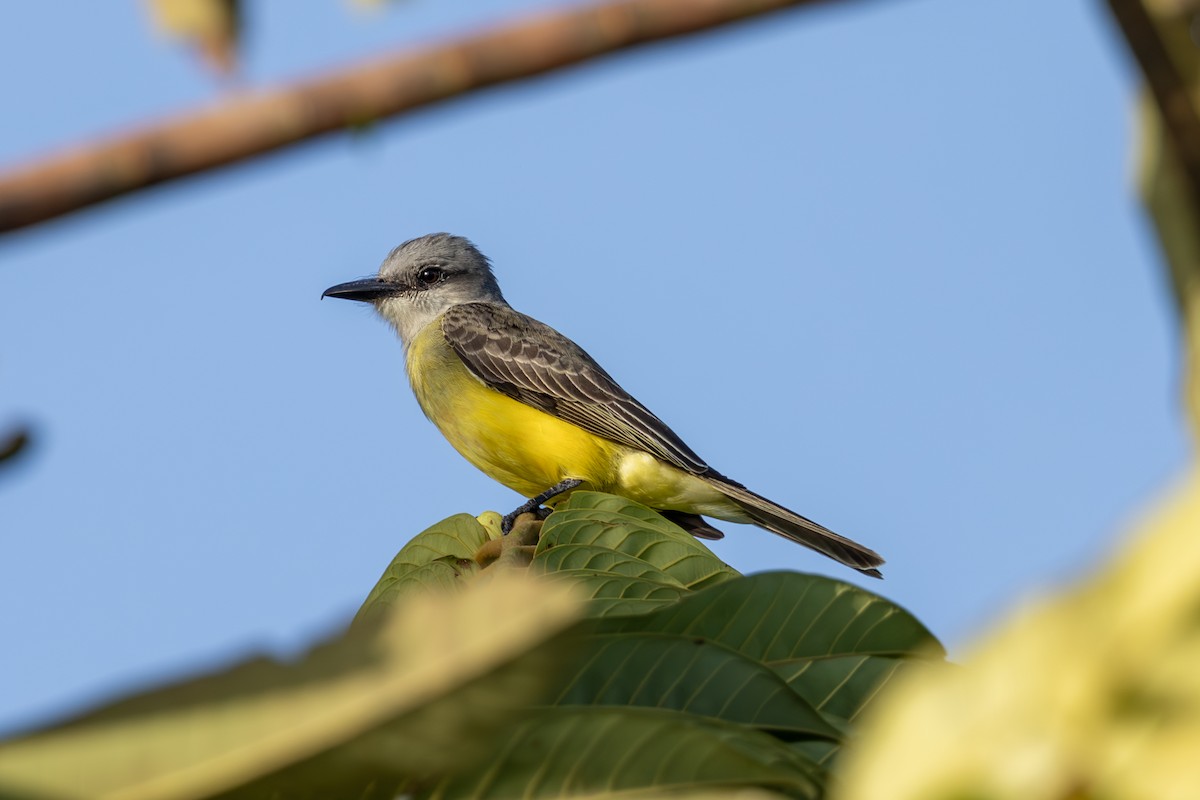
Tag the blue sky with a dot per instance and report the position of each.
(879, 261)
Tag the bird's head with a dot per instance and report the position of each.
(422, 278)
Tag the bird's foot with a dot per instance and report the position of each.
(509, 522)
(534, 504)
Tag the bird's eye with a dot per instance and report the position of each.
(430, 275)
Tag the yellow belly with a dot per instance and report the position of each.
(525, 449)
(529, 450)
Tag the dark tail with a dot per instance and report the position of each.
(791, 525)
(693, 524)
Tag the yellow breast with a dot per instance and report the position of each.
(523, 448)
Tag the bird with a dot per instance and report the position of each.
(531, 409)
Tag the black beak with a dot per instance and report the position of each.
(366, 290)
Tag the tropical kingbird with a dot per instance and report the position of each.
(530, 408)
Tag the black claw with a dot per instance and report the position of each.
(534, 504)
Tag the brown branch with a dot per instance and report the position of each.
(258, 122)
(1166, 84)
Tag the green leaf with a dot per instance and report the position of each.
(592, 558)
(419, 693)
(616, 523)
(841, 686)
(438, 555)
(834, 644)
(819, 751)
(779, 617)
(692, 675)
(611, 595)
(564, 752)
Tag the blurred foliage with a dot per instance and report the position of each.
(412, 696)
(212, 27)
(215, 29)
(602, 651)
(1094, 693)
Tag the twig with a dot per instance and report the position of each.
(1166, 84)
(258, 122)
(12, 443)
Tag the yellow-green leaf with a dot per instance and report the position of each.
(438, 554)
(417, 694)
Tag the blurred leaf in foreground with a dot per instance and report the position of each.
(417, 694)
(1091, 694)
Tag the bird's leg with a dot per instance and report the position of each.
(535, 502)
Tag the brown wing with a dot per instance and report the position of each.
(535, 364)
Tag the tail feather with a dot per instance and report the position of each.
(693, 524)
(801, 530)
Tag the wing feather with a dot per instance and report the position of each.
(535, 364)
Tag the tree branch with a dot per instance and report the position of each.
(250, 124)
